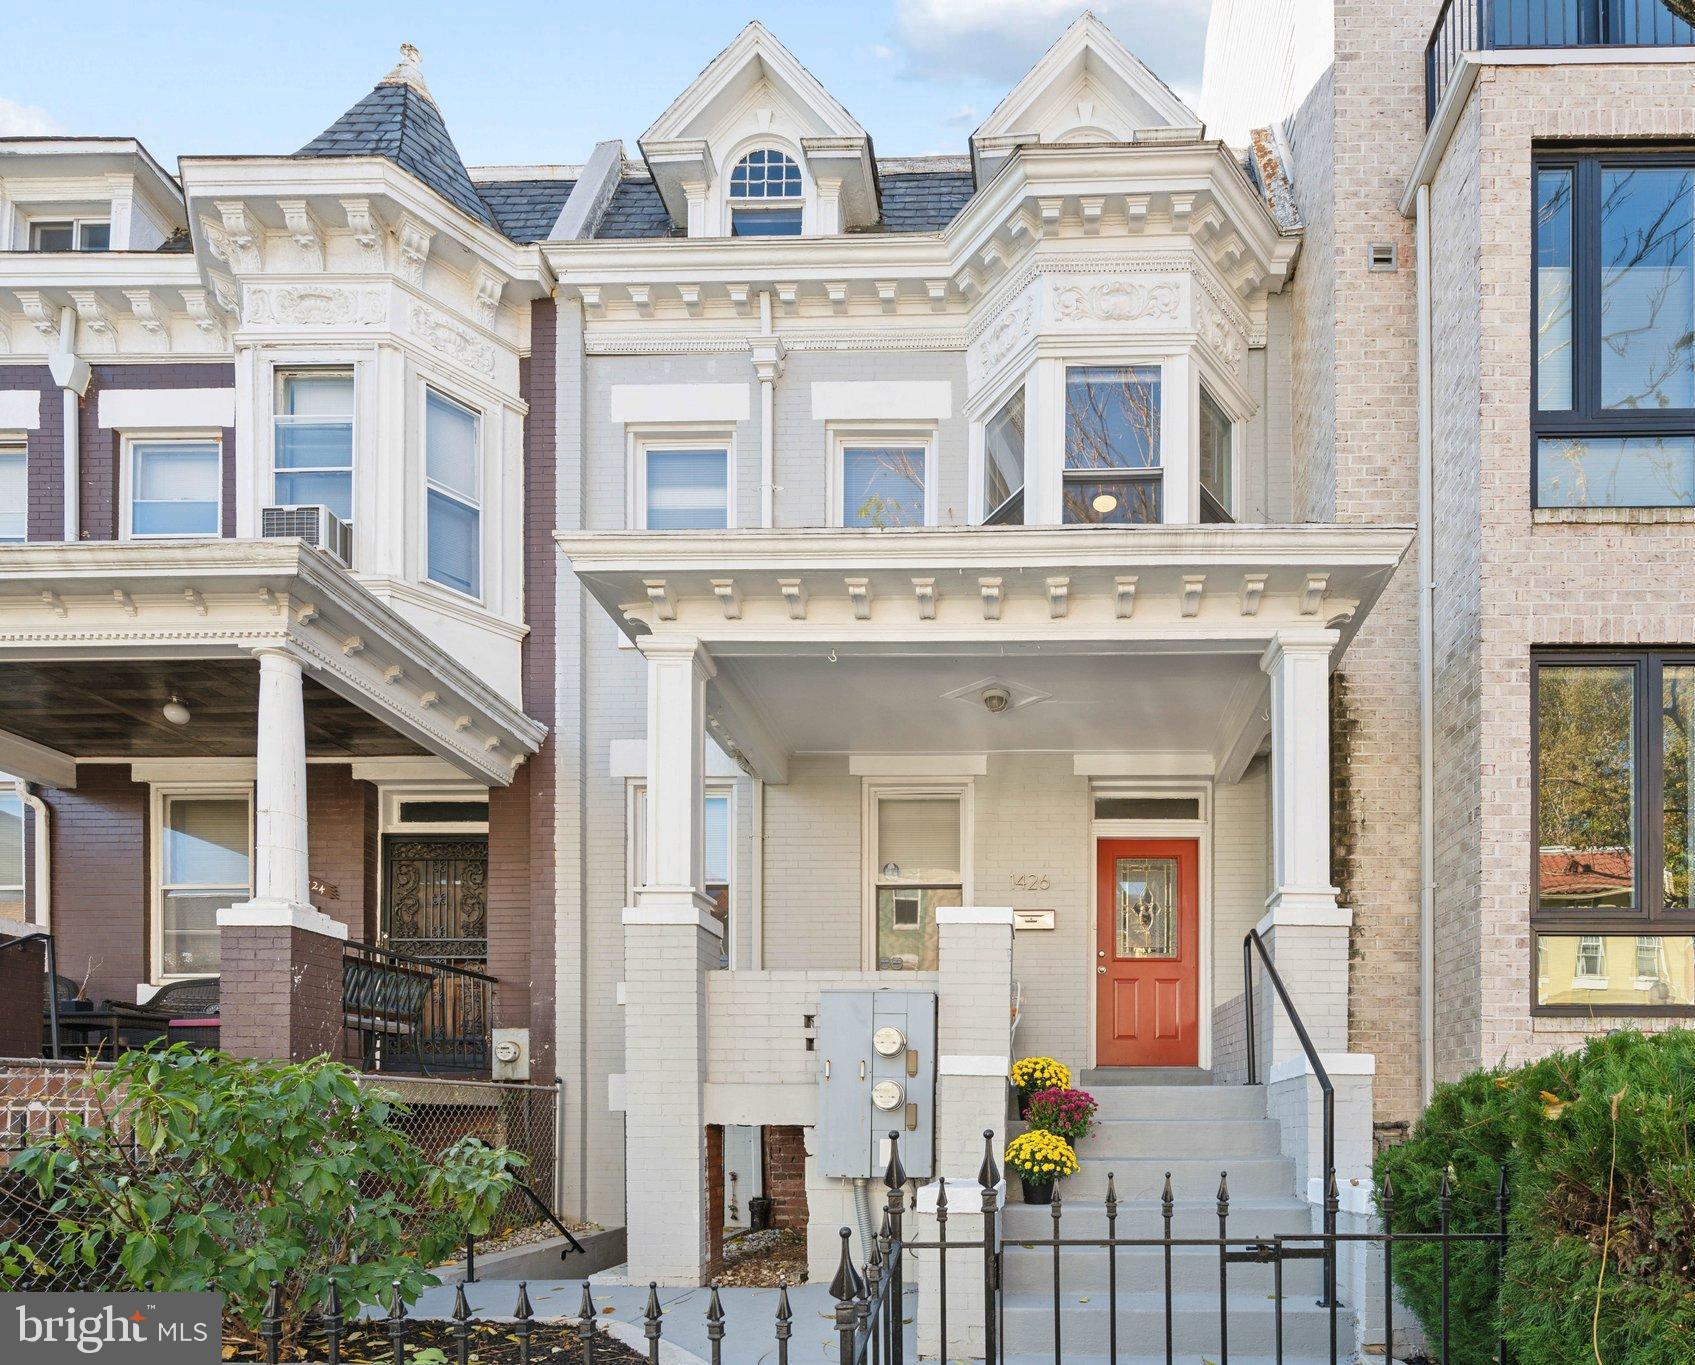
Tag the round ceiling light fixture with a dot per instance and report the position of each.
(996, 700)
(175, 712)
(1105, 503)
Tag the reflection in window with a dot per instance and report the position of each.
(1003, 464)
(11, 852)
(1553, 289)
(1586, 782)
(1112, 460)
(1677, 775)
(1647, 305)
(883, 485)
(1217, 472)
(1615, 471)
(918, 872)
(207, 853)
(1617, 972)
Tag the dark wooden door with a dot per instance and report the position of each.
(1147, 952)
(435, 907)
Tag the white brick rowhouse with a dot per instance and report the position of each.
(971, 590)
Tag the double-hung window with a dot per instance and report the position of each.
(314, 440)
(14, 492)
(1613, 416)
(205, 865)
(1003, 463)
(1613, 855)
(175, 488)
(683, 486)
(12, 860)
(453, 497)
(917, 849)
(884, 483)
(1112, 458)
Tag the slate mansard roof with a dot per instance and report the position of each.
(399, 120)
(526, 210)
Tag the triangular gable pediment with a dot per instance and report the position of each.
(1087, 87)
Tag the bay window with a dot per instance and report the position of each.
(1003, 463)
(204, 865)
(314, 440)
(453, 496)
(1112, 455)
(917, 861)
(1611, 884)
(175, 488)
(1613, 305)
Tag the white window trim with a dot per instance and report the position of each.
(912, 789)
(126, 480)
(159, 793)
(641, 440)
(77, 221)
(9, 446)
(426, 483)
(282, 370)
(892, 435)
(635, 835)
(806, 200)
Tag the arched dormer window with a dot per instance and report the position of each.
(765, 195)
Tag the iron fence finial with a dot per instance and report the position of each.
(988, 1174)
(894, 1176)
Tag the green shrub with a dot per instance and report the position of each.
(243, 1172)
(1596, 1147)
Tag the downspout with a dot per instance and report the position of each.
(1426, 657)
(767, 351)
(71, 375)
(41, 866)
(756, 891)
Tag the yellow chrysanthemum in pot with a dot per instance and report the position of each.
(1038, 1159)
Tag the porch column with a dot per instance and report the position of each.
(671, 940)
(280, 959)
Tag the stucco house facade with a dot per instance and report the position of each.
(724, 584)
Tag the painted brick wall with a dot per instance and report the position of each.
(341, 834)
(813, 890)
(44, 449)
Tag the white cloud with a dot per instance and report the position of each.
(966, 113)
(25, 120)
(999, 40)
(883, 52)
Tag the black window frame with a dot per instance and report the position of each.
(1647, 916)
(1586, 417)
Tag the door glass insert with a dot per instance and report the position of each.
(1145, 919)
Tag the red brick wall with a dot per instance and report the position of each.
(99, 840)
(714, 1198)
(510, 931)
(341, 834)
(281, 993)
(783, 1174)
(22, 970)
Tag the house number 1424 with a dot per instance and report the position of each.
(1031, 881)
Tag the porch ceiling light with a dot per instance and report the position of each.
(175, 712)
(996, 700)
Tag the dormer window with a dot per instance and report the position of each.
(71, 234)
(765, 195)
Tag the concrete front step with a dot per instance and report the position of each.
(1191, 1178)
(1202, 1139)
(1249, 1218)
(1104, 1076)
(1086, 1325)
(1179, 1102)
(1194, 1270)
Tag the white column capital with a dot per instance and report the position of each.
(1298, 642)
(675, 649)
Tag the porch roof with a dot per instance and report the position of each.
(1105, 639)
(137, 608)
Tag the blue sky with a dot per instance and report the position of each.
(528, 82)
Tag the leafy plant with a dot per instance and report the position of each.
(1070, 1113)
(202, 1171)
(1596, 1146)
(1040, 1157)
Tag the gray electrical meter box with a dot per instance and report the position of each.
(876, 1075)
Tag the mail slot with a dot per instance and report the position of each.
(1032, 919)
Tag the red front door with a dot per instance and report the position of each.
(1147, 952)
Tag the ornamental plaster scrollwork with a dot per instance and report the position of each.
(1118, 301)
(448, 337)
(314, 305)
(1220, 334)
(1006, 333)
(415, 239)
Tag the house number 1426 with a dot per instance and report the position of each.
(1031, 881)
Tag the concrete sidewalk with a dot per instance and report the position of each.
(749, 1316)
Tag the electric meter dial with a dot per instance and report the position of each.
(887, 1095)
(888, 1041)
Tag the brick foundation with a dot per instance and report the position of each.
(281, 994)
(783, 1174)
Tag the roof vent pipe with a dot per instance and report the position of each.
(71, 375)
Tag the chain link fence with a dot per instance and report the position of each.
(37, 1097)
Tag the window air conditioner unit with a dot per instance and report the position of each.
(316, 525)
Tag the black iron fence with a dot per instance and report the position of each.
(404, 1013)
(868, 1319)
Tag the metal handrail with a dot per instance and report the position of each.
(1251, 943)
(46, 940)
(546, 1211)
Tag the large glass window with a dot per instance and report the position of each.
(918, 870)
(176, 488)
(1614, 328)
(1614, 847)
(14, 493)
(205, 867)
(453, 514)
(314, 440)
(1112, 462)
(883, 484)
(12, 859)
(759, 184)
(685, 488)
(1003, 464)
(1218, 474)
